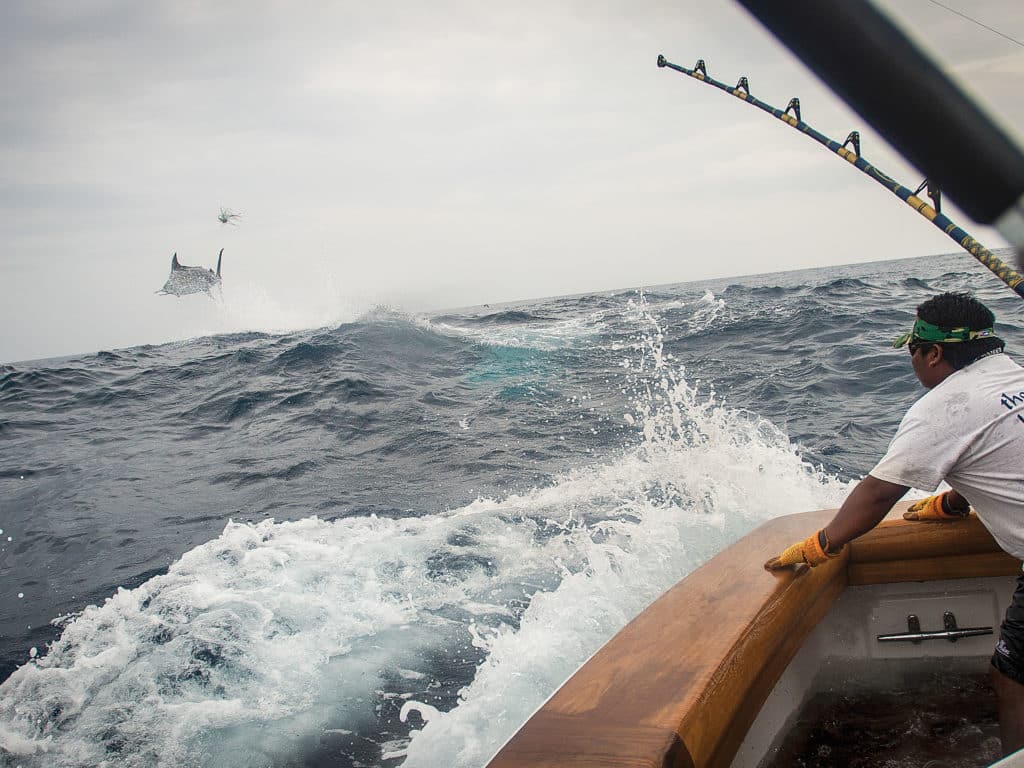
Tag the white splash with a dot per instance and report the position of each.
(665, 508)
(258, 646)
(543, 336)
(250, 307)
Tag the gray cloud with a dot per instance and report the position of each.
(424, 155)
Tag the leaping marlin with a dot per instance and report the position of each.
(185, 280)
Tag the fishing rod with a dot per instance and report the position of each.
(791, 116)
(876, 69)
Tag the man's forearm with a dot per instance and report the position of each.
(864, 508)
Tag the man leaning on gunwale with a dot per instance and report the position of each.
(966, 430)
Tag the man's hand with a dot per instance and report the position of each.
(868, 502)
(813, 551)
(941, 508)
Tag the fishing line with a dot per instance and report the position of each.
(975, 21)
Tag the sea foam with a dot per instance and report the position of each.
(279, 640)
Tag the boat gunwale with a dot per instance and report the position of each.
(682, 682)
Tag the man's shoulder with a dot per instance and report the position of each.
(1000, 361)
(1001, 368)
(985, 376)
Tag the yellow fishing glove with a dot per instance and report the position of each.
(935, 509)
(813, 551)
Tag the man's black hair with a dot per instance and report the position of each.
(956, 310)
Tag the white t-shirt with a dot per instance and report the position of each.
(969, 431)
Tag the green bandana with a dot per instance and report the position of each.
(925, 331)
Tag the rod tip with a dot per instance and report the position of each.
(661, 60)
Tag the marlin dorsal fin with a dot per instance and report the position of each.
(174, 261)
(219, 257)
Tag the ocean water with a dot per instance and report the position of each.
(387, 542)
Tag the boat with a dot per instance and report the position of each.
(715, 672)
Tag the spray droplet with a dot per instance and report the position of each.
(21, 595)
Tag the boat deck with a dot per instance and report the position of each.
(942, 720)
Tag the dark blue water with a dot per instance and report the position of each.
(298, 549)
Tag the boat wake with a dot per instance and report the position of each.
(424, 640)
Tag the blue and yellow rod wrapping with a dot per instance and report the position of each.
(742, 91)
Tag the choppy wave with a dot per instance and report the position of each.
(512, 329)
(387, 541)
(275, 637)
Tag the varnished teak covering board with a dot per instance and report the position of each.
(681, 684)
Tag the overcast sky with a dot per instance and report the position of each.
(424, 155)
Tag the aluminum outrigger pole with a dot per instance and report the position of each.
(742, 91)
